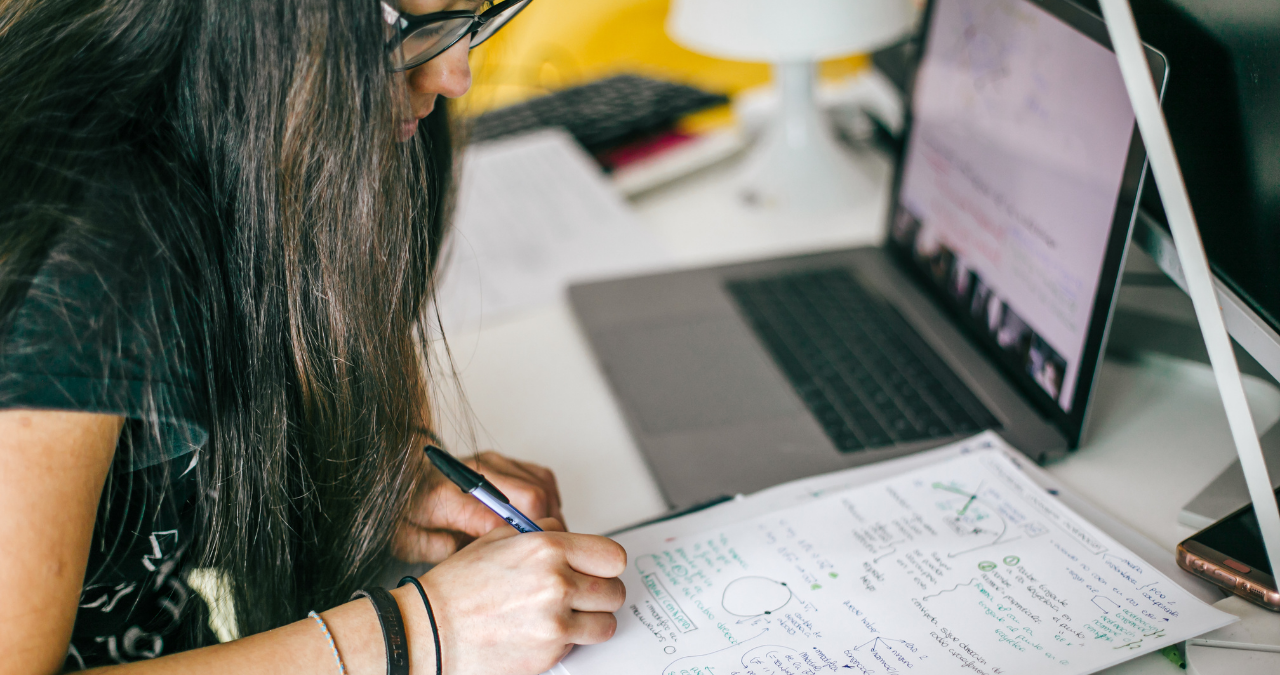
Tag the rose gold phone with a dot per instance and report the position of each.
(1230, 553)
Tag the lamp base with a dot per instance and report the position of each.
(798, 165)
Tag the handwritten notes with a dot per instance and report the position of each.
(965, 565)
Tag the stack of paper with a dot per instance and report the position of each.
(961, 565)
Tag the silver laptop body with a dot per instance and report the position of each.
(705, 396)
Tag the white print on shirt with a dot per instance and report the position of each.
(157, 554)
(171, 605)
(106, 602)
(73, 653)
(132, 648)
(195, 457)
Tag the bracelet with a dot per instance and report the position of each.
(393, 637)
(342, 669)
(435, 630)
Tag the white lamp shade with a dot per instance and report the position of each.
(777, 31)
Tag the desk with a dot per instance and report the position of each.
(1158, 434)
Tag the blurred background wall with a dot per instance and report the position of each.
(558, 43)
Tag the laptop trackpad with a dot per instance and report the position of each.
(695, 375)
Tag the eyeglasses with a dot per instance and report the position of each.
(414, 39)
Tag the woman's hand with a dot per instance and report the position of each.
(443, 518)
(515, 604)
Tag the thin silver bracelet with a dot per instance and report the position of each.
(342, 668)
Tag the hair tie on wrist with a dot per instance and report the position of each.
(435, 630)
(393, 636)
(342, 669)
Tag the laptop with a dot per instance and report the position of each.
(987, 306)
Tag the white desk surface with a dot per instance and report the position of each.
(1158, 433)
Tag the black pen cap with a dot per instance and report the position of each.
(462, 475)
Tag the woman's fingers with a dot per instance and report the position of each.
(595, 556)
(414, 544)
(589, 628)
(549, 525)
(531, 488)
(548, 478)
(593, 594)
(442, 506)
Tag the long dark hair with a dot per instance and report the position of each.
(249, 149)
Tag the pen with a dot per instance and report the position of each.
(473, 482)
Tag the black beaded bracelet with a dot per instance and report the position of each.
(393, 635)
(435, 630)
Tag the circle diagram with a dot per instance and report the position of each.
(754, 596)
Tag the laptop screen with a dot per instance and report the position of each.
(1010, 190)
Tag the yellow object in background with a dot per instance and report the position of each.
(555, 44)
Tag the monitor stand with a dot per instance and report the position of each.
(1228, 492)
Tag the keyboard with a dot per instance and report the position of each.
(862, 370)
(602, 114)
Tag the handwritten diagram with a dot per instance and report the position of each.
(750, 597)
(970, 517)
(965, 565)
(952, 589)
(745, 654)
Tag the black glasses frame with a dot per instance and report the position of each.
(406, 24)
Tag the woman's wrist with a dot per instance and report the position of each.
(422, 645)
(357, 635)
(391, 621)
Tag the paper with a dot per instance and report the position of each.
(962, 566)
(534, 214)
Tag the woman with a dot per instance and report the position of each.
(218, 222)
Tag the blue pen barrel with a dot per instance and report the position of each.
(505, 511)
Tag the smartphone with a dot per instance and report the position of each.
(1230, 553)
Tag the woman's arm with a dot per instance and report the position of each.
(52, 468)
(505, 604)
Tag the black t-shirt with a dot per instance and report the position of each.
(91, 336)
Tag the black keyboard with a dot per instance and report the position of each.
(862, 370)
(601, 115)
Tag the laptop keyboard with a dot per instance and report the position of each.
(864, 373)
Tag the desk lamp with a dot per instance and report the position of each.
(797, 163)
(1258, 631)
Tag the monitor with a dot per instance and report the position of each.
(1222, 103)
(1223, 110)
